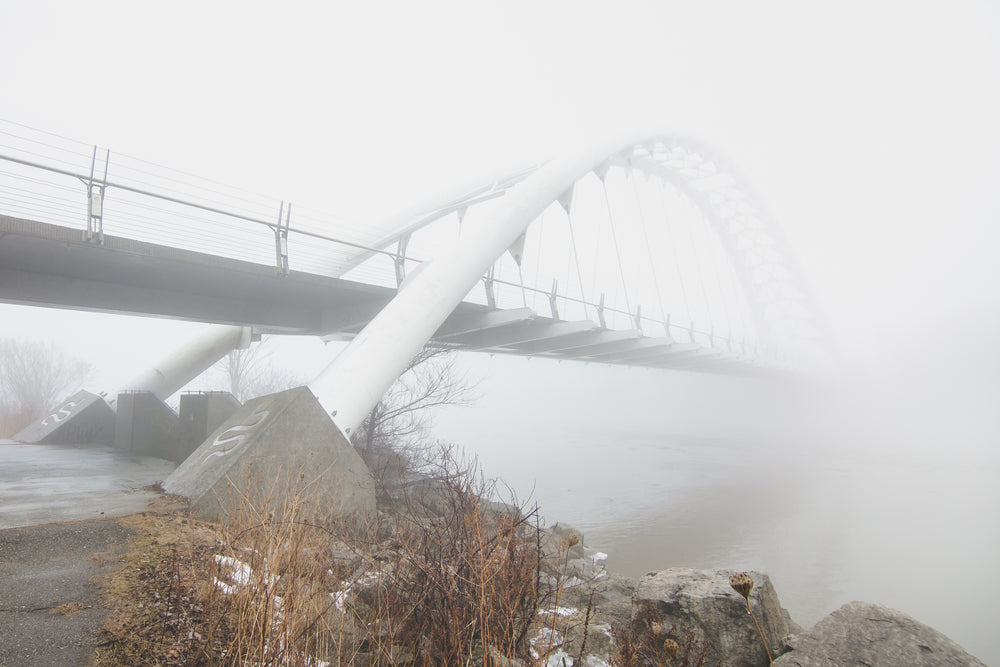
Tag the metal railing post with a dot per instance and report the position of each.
(95, 200)
(281, 239)
(399, 261)
(491, 295)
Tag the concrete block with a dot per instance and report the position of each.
(274, 450)
(146, 426)
(83, 418)
(201, 413)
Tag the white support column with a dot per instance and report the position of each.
(188, 361)
(355, 381)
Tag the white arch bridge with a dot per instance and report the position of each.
(648, 251)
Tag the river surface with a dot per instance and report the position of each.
(919, 532)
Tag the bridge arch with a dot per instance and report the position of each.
(499, 214)
(772, 282)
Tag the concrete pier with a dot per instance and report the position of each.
(201, 413)
(277, 449)
(146, 426)
(83, 418)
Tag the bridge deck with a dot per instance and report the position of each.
(53, 266)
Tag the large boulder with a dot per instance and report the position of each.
(860, 633)
(703, 603)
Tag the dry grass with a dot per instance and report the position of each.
(159, 616)
(68, 609)
(461, 581)
(447, 578)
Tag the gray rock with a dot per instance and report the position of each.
(793, 627)
(613, 598)
(562, 542)
(860, 633)
(703, 603)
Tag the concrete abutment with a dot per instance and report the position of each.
(277, 450)
(83, 418)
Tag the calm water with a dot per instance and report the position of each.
(920, 534)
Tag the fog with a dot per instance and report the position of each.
(869, 131)
(853, 489)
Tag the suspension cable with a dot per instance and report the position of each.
(538, 256)
(673, 247)
(524, 294)
(700, 271)
(718, 279)
(614, 236)
(649, 249)
(741, 307)
(576, 260)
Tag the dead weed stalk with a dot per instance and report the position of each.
(448, 578)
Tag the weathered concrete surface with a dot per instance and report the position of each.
(51, 611)
(146, 426)
(703, 602)
(47, 483)
(860, 633)
(201, 413)
(82, 418)
(274, 449)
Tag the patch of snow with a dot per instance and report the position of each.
(549, 639)
(606, 629)
(561, 611)
(239, 571)
(340, 597)
(559, 658)
(226, 588)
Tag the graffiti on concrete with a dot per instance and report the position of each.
(63, 413)
(234, 436)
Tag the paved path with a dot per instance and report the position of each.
(51, 613)
(56, 534)
(46, 483)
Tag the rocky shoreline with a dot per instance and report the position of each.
(700, 611)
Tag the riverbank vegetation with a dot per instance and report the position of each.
(443, 576)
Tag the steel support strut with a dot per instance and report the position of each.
(192, 358)
(356, 380)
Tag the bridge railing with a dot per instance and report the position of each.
(58, 194)
(60, 181)
(111, 196)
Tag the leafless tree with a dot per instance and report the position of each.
(250, 373)
(34, 376)
(399, 422)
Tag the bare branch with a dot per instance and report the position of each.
(35, 376)
(249, 373)
(400, 420)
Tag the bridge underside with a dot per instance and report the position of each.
(49, 265)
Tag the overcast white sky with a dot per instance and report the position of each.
(869, 128)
